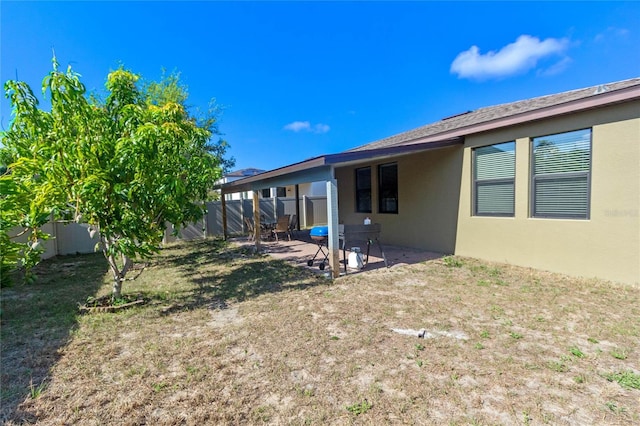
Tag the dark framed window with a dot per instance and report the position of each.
(363, 190)
(561, 175)
(266, 193)
(388, 188)
(494, 180)
(281, 192)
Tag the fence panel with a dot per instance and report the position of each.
(50, 246)
(319, 210)
(213, 219)
(270, 210)
(247, 212)
(286, 206)
(236, 212)
(72, 238)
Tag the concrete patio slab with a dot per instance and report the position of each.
(302, 248)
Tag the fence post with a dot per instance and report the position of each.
(256, 220)
(297, 207)
(223, 205)
(242, 215)
(304, 211)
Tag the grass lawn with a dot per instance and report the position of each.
(228, 337)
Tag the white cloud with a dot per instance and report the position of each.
(299, 126)
(612, 32)
(556, 68)
(321, 128)
(517, 57)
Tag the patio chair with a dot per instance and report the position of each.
(282, 226)
(293, 224)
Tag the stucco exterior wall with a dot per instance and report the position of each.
(607, 245)
(312, 189)
(428, 194)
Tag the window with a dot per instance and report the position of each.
(281, 192)
(363, 190)
(561, 175)
(493, 179)
(388, 188)
(266, 193)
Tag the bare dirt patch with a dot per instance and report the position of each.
(229, 337)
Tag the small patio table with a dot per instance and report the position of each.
(368, 233)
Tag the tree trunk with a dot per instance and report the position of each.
(118, 275)
(116, 291)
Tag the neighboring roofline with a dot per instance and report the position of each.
(241, 172)
(342, 158)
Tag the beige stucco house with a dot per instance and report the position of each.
(551, 183)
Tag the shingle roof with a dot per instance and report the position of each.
(244, 172)
(488, 114)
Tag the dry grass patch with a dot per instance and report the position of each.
(231, 337)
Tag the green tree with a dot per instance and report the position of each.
(21, 207)
(126, 166)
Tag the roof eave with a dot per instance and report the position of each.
(392, 151)
(320, 167)
(246, 183)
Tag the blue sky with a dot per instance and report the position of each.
(301, 79)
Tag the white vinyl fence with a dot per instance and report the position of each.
(66, 238)
(313, 212)
(74, 238)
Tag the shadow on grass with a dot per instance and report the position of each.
(37, 320)
(223, 274)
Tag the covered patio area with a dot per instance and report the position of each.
(302, 248)
(368, 184)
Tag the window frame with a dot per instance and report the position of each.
(381, 188)
(487, 182)
(364, 190)
(555, 176)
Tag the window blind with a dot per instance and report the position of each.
(363, 190)
(494, 172)
(561, 175)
